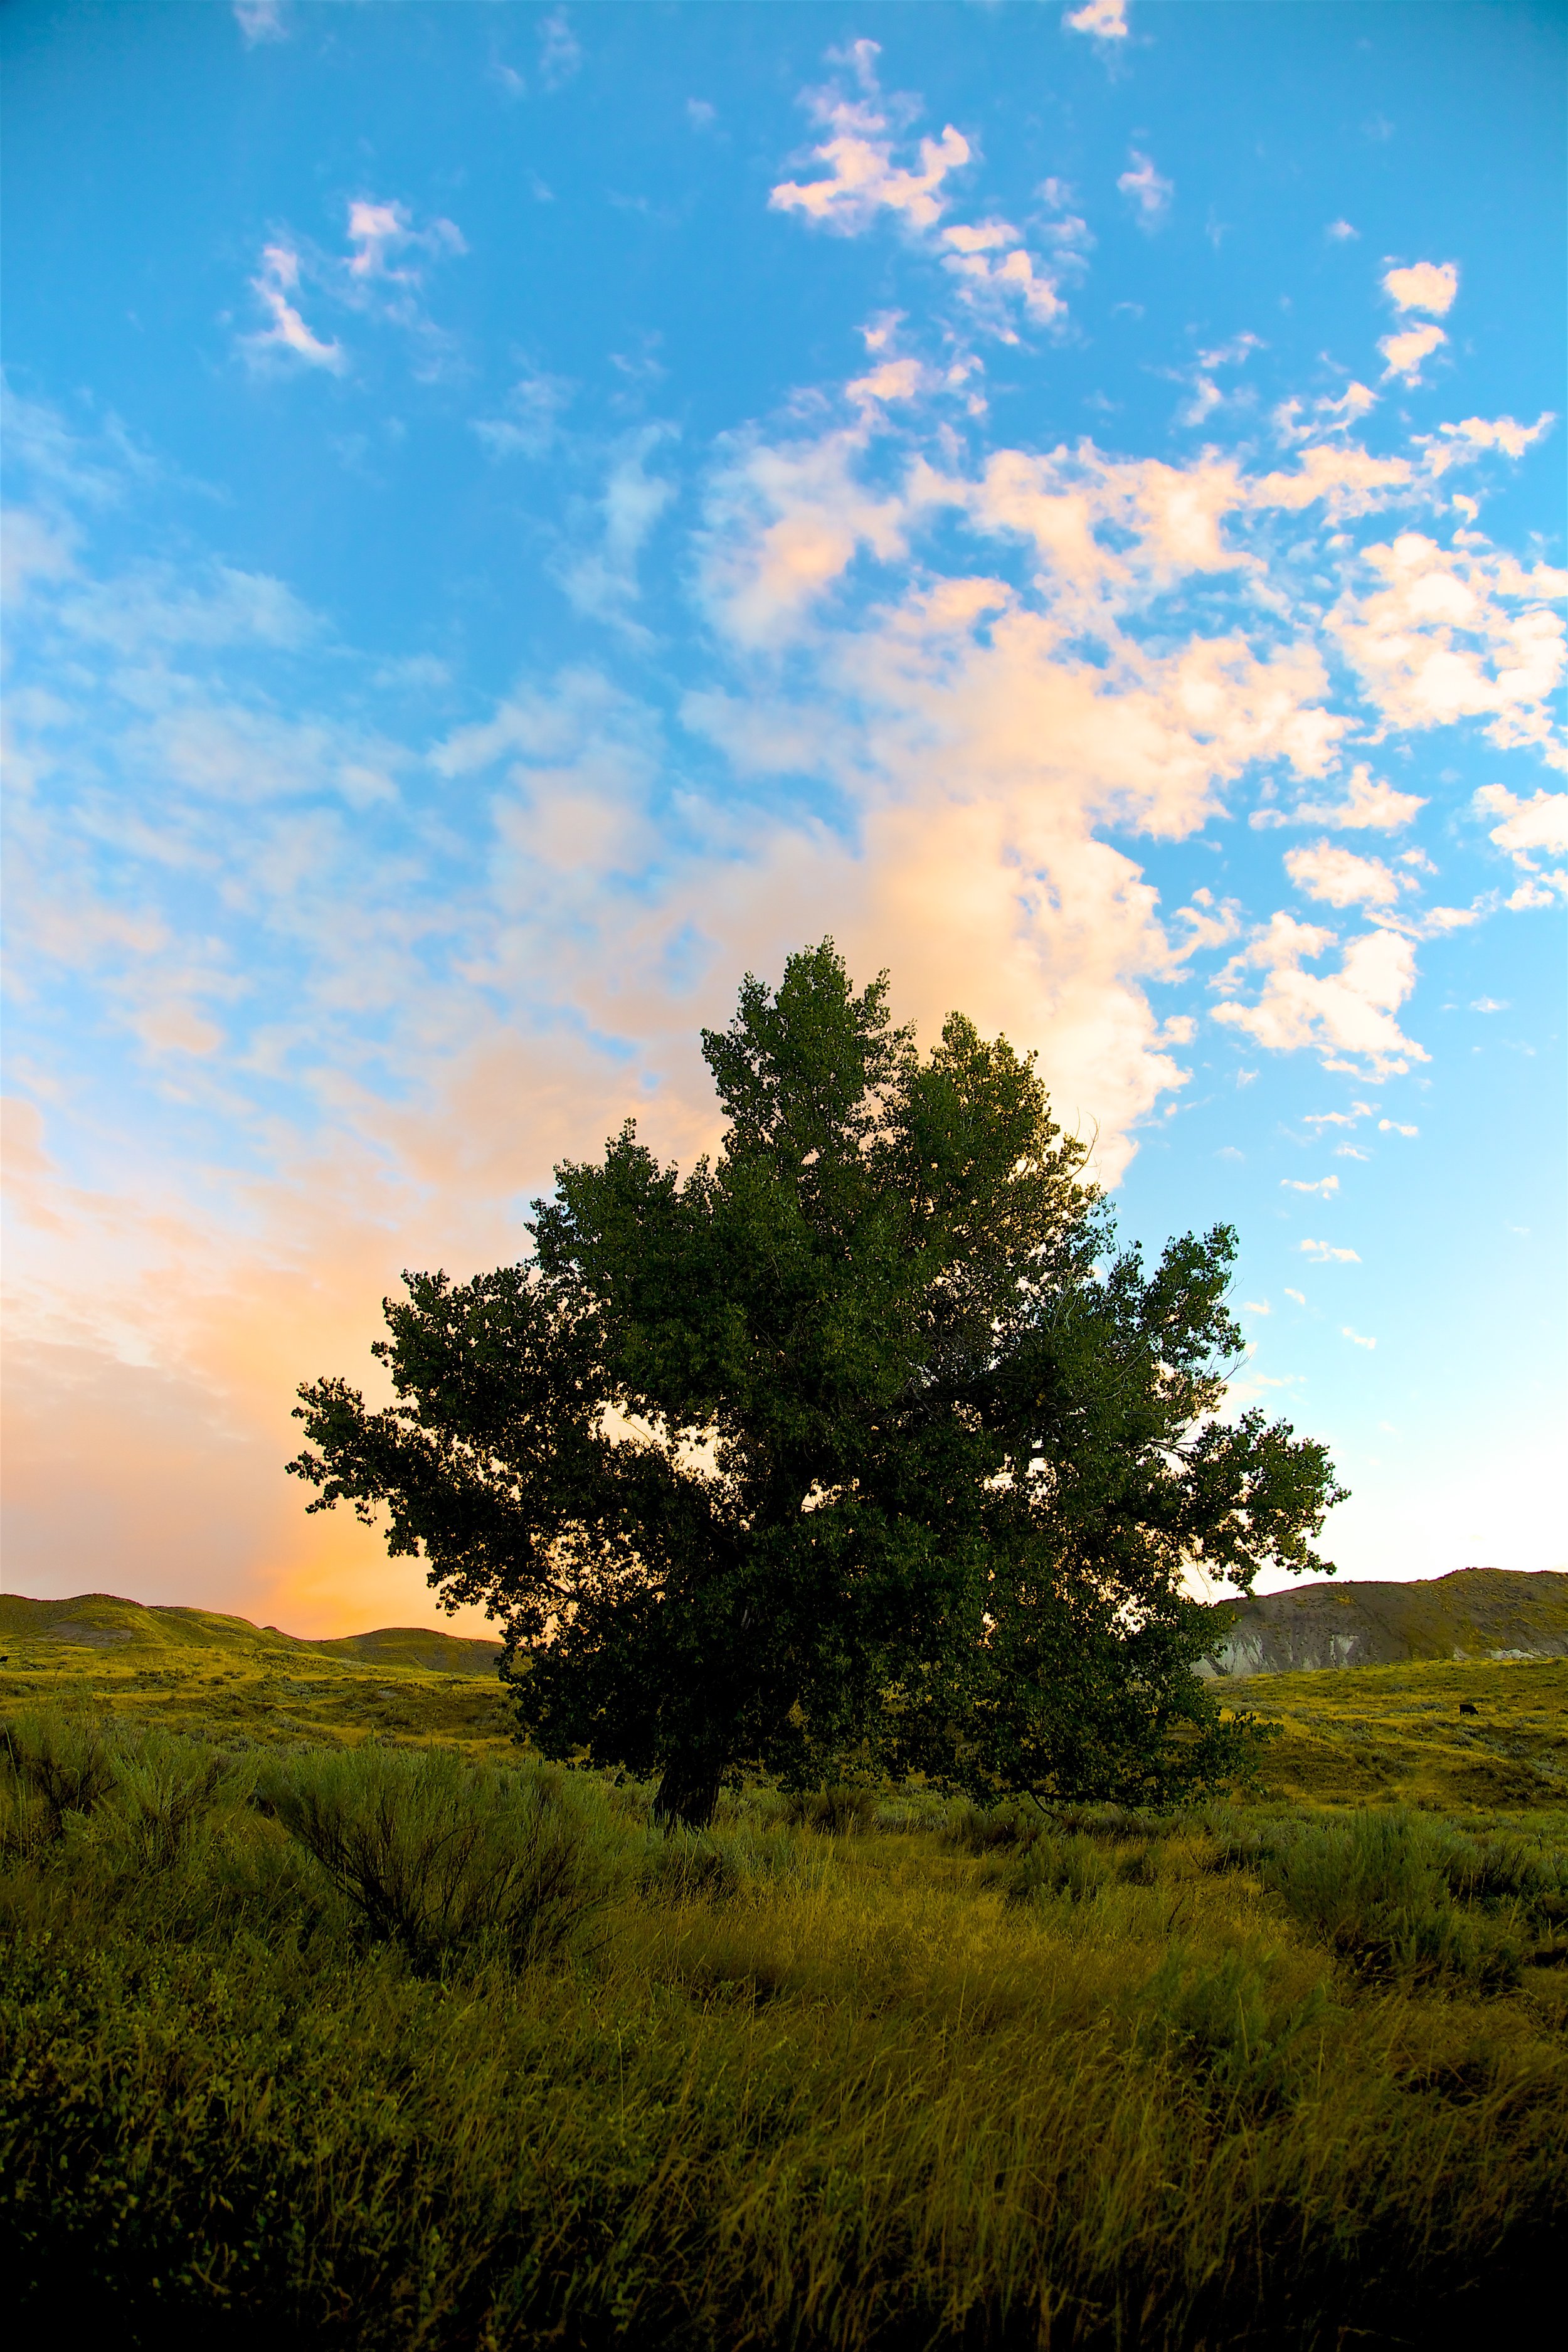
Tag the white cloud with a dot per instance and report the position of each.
(1299, 1296)
(1453, 442)
(381, 278)
(1325, 1254)
(1530, 829)
(1255, 1307)
(1146, 190)
(894, 380)
(288, 336)
(1341, 475)
(1327, 1186)
(1448, 634)
(994, 267)
(1369, 806)
(1423, 286)
(1341, 231)
(1406, 352)
(1356, 1337)
(783, 524)
(1391, 1127)
(1347, 1016)
(862, 180)
(1488, 1004)
(1351, 1151)
(1340, 878)
(384, 241)
(560, 51)
(700, 113)
(1105, 20)
(32, 547)
(261, 20)
(1206, 395)
(997, 276)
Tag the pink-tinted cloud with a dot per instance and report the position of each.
(997, 275)
(1407, 352)
(287, 337)
(1103, 20)
(1346, 1016)
(1429, 286)
(1340, 878)
(1446, 634)
(861, 179)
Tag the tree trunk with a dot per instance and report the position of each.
(687, 1794)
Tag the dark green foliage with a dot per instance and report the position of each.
(862, 1444)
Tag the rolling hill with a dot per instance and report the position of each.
(1475, 1612)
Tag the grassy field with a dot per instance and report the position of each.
(326, 2013)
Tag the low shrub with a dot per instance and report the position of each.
(52, 1767)
(841, 1812)
(1398, 1892)
(443, 1862)
(1077, 1865)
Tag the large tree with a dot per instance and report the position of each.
(861, 1443)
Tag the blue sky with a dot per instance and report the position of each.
(517, 516)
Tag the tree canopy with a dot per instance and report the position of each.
(861, 1445)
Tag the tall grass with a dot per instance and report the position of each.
(379, 2050)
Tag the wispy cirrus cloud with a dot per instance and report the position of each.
(1147, 190)
(530, 422)
(261, 21)
(560, 50)
(380, 278)
(600, 573)
(286, 336)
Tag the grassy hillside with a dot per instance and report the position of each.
(189, 1669)
(1476, 1612)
